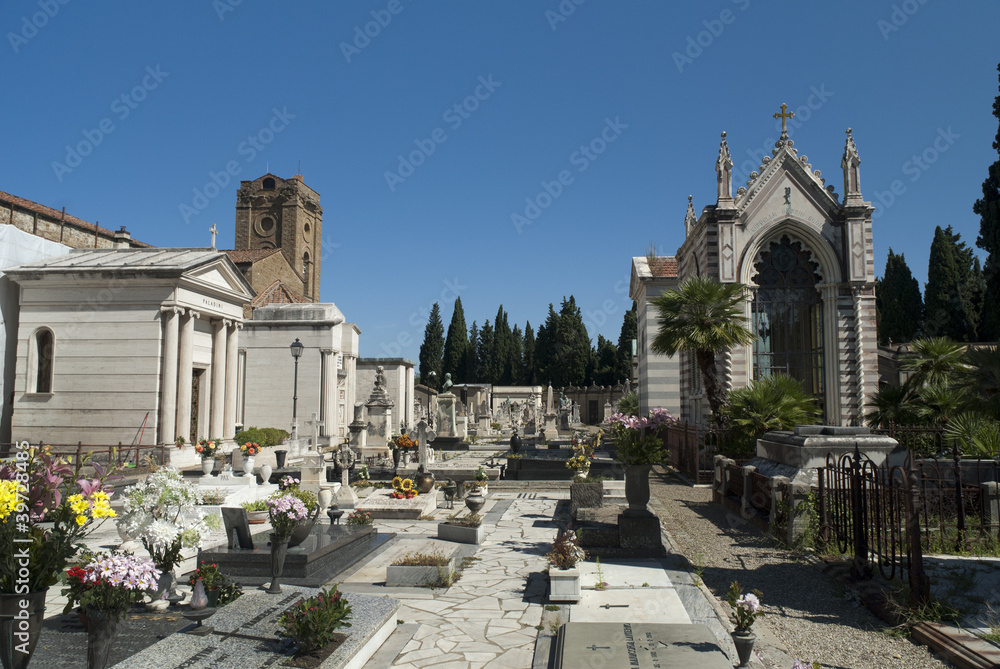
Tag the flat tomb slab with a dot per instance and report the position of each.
(638, 646)
(326, 552)
(380, 505)
(642, 605)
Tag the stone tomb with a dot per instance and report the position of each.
(380, 505)
(638, 646)
(245, 635)
(326, 552)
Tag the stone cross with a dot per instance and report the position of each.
(424, 435)
(316, 425)
(345, 458)
(214, 230)
(784, 117)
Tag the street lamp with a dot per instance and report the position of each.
(296, 348)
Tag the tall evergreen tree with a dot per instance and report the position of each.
(898, 306)
(485, 353)
(965, 262)
(947, 312)
(629, 331)
(606, 363)
(546, 360)
(499, 359)
(471, 367)
(432, 350)
(988, 209)
(572, 344)
(516, 357)
(530, 373)
(456, 345)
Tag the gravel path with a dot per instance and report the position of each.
(809, 614)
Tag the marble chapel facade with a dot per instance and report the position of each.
(804, 253)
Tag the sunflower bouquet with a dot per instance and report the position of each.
(403, 488)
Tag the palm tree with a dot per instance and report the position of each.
(935, 360)
(774, 403)
(983, 378)
(705, 317)
(894, 405)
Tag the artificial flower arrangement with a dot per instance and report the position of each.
(404, 443)
(110, 582)
(640, 441)
(565, 552)
(37, 487)
(250, 449)
(161, 513)
(214, 580)
(746, 607)
(481, 476)
(285, 513)
(206, 448)
(402, 489)
(289, 485)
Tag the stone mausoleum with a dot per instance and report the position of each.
(804, 253)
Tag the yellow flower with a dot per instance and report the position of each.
(8, 498)
(406, 485)
(81, 520)
(102, 510)
(397, 482)
(78, 504)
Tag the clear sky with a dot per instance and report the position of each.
(267, 85)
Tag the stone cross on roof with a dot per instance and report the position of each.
(784, 115)
(214, 230)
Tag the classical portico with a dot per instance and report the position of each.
(805, 255)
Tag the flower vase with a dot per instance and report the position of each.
(265, 474)
(637, 489)
(101, 629)
(248, 465)
(213, 598)
(279, 547)
(10, 606)
(424, 482)
(744, 646)
(207, 465)
(396, 455)
(581, 474)
(164, 588)
(475, 501)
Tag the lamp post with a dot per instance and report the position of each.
(296, 348)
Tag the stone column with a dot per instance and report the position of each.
(232, 356)
(408, 396)
(184, 376)
(857, 291)
(241, 385)
(327, 392)
(831, 375)
(218, 400)
(168, 379)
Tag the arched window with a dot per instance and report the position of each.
(267, 184)
(788, 316)
(41, 366)
(305, 273)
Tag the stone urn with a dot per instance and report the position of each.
(744, 640)
(325, 497)
(515, 443)
(279, 458)
(207, 465)
(637, 489)
(475, 500)
(265, 474)
(424, 482)
(248, 461)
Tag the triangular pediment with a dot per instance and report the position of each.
(221, 274)
(766, 193)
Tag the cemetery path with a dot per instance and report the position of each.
(809, 614)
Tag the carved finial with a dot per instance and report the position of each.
(851, 164)
(689, 218)
(724, 172)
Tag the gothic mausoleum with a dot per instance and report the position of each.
(804, 253)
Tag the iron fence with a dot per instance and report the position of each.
(120, 455)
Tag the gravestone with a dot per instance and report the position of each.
(637, 646)
(359, 428)
(346, 497)
(237, 528)
(313, 471)
(379, 407)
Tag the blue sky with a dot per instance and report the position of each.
(661, 80)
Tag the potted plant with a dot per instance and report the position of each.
(564, 578)
(481, 477)
(420, 569)
(162, 513)
(219, 588)
(256, 511)
(44, 521)
(745, 610)
(111, 583)
(285, 512)
(292, 486)
(467, 529)
(207, 449)
(640, 445)
(249, 450)
(313, 623)
(360, 518)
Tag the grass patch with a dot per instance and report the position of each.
(422, 560)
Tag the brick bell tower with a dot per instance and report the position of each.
(284, 214)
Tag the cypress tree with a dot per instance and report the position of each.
(629, 331)
(456, 345)
(432, 350)
(944, 312)
(471, 366)
(606, 361)
(546, 362)
(898, 305)
(988, 209)
(530, 373)
(485, 353)
(516, 357)
(572, 344)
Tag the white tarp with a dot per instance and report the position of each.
(16, 248)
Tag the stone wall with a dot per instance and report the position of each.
(56, 226)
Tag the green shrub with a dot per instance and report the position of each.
(265, 436)
(256, 505)
(313, 622)
(360, 518)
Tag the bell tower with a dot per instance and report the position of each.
(284, 214)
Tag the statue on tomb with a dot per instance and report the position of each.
(564, 402)
(380, 383)
(447, 383)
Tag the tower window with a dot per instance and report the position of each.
(267, 225)
(41, 365)
(267, 184)
(305, 272)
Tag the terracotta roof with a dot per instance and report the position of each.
(277, 293)
(663, 267)
(249, 255)
(51, 213)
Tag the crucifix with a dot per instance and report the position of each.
(784, 116)
(316, 425)
(424, 436)
(346, 459)
(214, 232)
